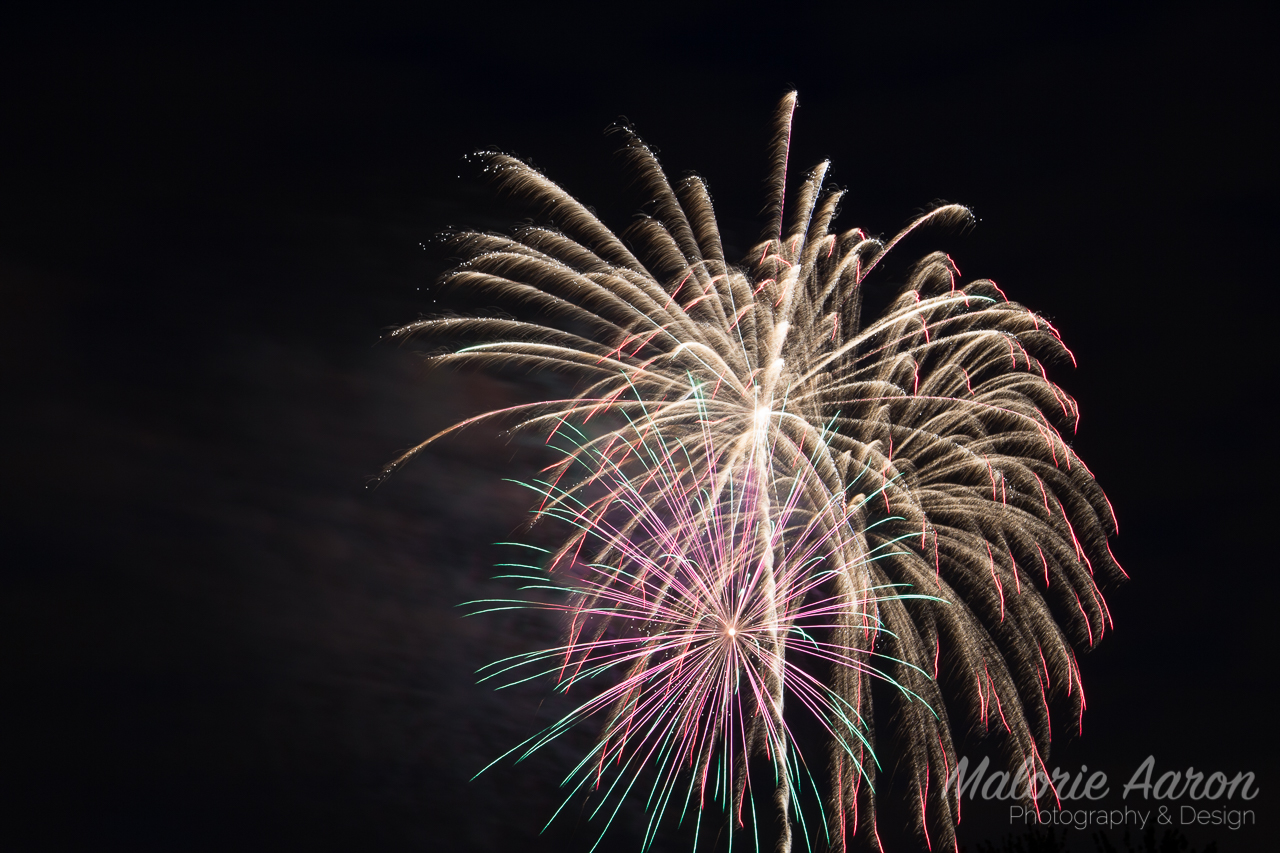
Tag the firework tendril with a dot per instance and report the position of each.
(762, 485)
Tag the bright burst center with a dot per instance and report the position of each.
(731, 631)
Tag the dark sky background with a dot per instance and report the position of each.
(214, 637)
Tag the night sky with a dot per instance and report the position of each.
(214, 636)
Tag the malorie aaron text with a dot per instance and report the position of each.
(1030, 783)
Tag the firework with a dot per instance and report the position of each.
(930, 436)
(699, 604)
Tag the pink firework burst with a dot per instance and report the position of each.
(698, 607)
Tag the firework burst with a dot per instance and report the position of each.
(699, 605)
(929, 436)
